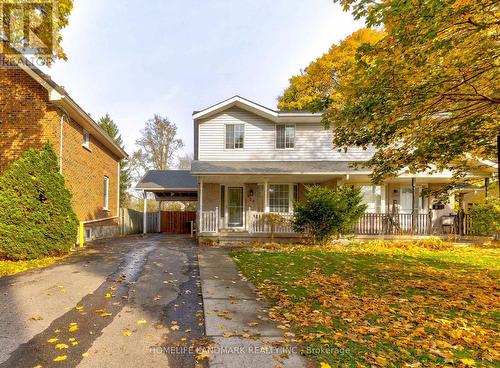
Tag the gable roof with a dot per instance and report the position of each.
(62, 99)
(245, 104)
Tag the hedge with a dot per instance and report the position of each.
(36, 218)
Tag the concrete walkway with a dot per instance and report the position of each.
(236, 321)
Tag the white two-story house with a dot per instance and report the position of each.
(250, 160)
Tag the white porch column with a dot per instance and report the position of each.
(200, 206)
(266, 202)
(145, 214)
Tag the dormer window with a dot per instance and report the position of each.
(86, 139)
(235, 136)
(285, 136)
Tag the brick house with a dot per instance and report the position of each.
(34, 110)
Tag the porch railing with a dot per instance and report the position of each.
(369, 224)
(259, 223)
(209, 221)
(394, 224)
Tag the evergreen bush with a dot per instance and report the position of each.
(36, 218)
(486, 217)
(327, 212)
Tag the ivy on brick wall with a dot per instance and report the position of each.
(36, 218)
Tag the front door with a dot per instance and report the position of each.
(235, 206)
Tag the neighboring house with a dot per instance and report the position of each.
(34, 110)
(250, 160)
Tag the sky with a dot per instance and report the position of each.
(134, 59)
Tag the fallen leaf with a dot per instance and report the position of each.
(468, 362)
(203, 355)
(127, 332)
(53, 340)
(141, 321)
(61, 346)
(60, 358)
(37, 318)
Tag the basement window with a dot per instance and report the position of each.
(86, 140)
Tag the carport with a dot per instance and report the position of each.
(170, 186)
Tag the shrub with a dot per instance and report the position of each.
(36, 218)
(274, 220)
(326, 212)
(485, 217)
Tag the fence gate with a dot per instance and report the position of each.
(177, 222)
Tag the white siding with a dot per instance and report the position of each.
(312, 141)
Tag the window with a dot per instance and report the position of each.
(86, 139)
(279, 198)
(88, 234)
(372, 197)
(106, 192)
(235, 136)
(285, 136)
(296, 192)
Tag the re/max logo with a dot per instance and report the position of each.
(27, 27)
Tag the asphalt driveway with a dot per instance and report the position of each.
(133, 302)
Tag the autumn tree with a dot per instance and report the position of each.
(427, 94)
(319, 85)
(34, 28)
(109, 126)
(158, 145)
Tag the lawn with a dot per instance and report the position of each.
(378, 304)
(13, 267)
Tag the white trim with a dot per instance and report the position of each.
(243, 212)
(99, 220)
(118, 188)
(164, 189)
(234, 137)
(80, 116)
(290, 197)
(105, 206)
(243, 103)
(294, 136)
(280, 173)
(145, 214)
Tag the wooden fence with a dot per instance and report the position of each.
(131, 222)
(177, 222)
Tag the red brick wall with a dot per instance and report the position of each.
(28, 119)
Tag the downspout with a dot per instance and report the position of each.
(61, 126)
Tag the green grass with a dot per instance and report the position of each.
(378, 304)
(13, 267)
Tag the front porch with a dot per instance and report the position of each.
(240, 206)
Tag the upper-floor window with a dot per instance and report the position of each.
(106, 193)
(285, 136)
(86, 139)
(235, 136)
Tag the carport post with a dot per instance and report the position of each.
(145, 215)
